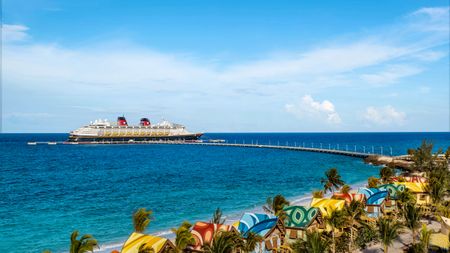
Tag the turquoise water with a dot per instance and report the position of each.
(49, 191)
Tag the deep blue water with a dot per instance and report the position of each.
(46, 192)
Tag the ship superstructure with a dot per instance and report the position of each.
(106, 131)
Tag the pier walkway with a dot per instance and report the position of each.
(221, 144)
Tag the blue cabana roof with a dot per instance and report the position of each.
(368, 191)
(374, 196)
(249, 220)
(262, 228)
(377, 198)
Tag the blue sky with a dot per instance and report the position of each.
(234, 66)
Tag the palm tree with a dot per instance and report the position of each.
(353, 212)
(46, 251)
(85, 244)
(332, 181)
(405, 197)
(251, 241)
(141, 219)
(314, 243)
(217, 217)
(183, 236)
(425, 235)
(335, 220)
(317, 194)
(145, 249)
(386, 173)
(438, 181)
(345, 188)
(436, 188)
(223, 242)
(275, 206)
(422, 157)
(412, 216)
(372, 182)
(388, 231)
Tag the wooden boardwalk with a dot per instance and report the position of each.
(242, 145)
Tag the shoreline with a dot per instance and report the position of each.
(300, 200)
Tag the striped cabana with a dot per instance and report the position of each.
(158, 244)
(327, 206)
(204, 232)
(269, 227)
(300, 219)
(375, 200)
(419, 190)
(349, 197)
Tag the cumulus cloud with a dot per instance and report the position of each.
(386, 115)
(14, 33)
(308, 107)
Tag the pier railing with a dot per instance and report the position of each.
(338, 149)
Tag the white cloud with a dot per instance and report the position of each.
(385, 116)
(391, 74)
(308, 107)
(432, 19)
(14, 33)
(136, 76)
(429, 56)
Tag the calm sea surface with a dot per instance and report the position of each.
(46, 192)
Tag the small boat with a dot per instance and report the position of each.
(32, 143)
(51, 143)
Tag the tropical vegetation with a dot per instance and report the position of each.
(346, 230)
(86, 243)
(141, 219)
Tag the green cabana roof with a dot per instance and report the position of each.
(300, 216)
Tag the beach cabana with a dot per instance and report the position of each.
(393, 190)
(375, 200)
(301, 219)
(204, 232)
(349, 197)
(418, 189)
(327, 206)
(158, 244)
(269, 227)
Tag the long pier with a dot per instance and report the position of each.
(220, 144)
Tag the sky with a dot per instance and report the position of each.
(227, 66)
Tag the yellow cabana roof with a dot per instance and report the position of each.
(439, 240)
(326, 206)
(137, 239)
(416, 187)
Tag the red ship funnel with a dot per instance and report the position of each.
(145, 122)
(121, 121)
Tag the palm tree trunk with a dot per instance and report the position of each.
(351, 239)
(385, 249)
(333, 249)
(414, 236)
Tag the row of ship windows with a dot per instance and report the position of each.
(125, 127)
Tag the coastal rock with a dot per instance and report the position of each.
(388, 160)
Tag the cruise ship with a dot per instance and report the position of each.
(104, 131)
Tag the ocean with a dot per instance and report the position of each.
(47, 191)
